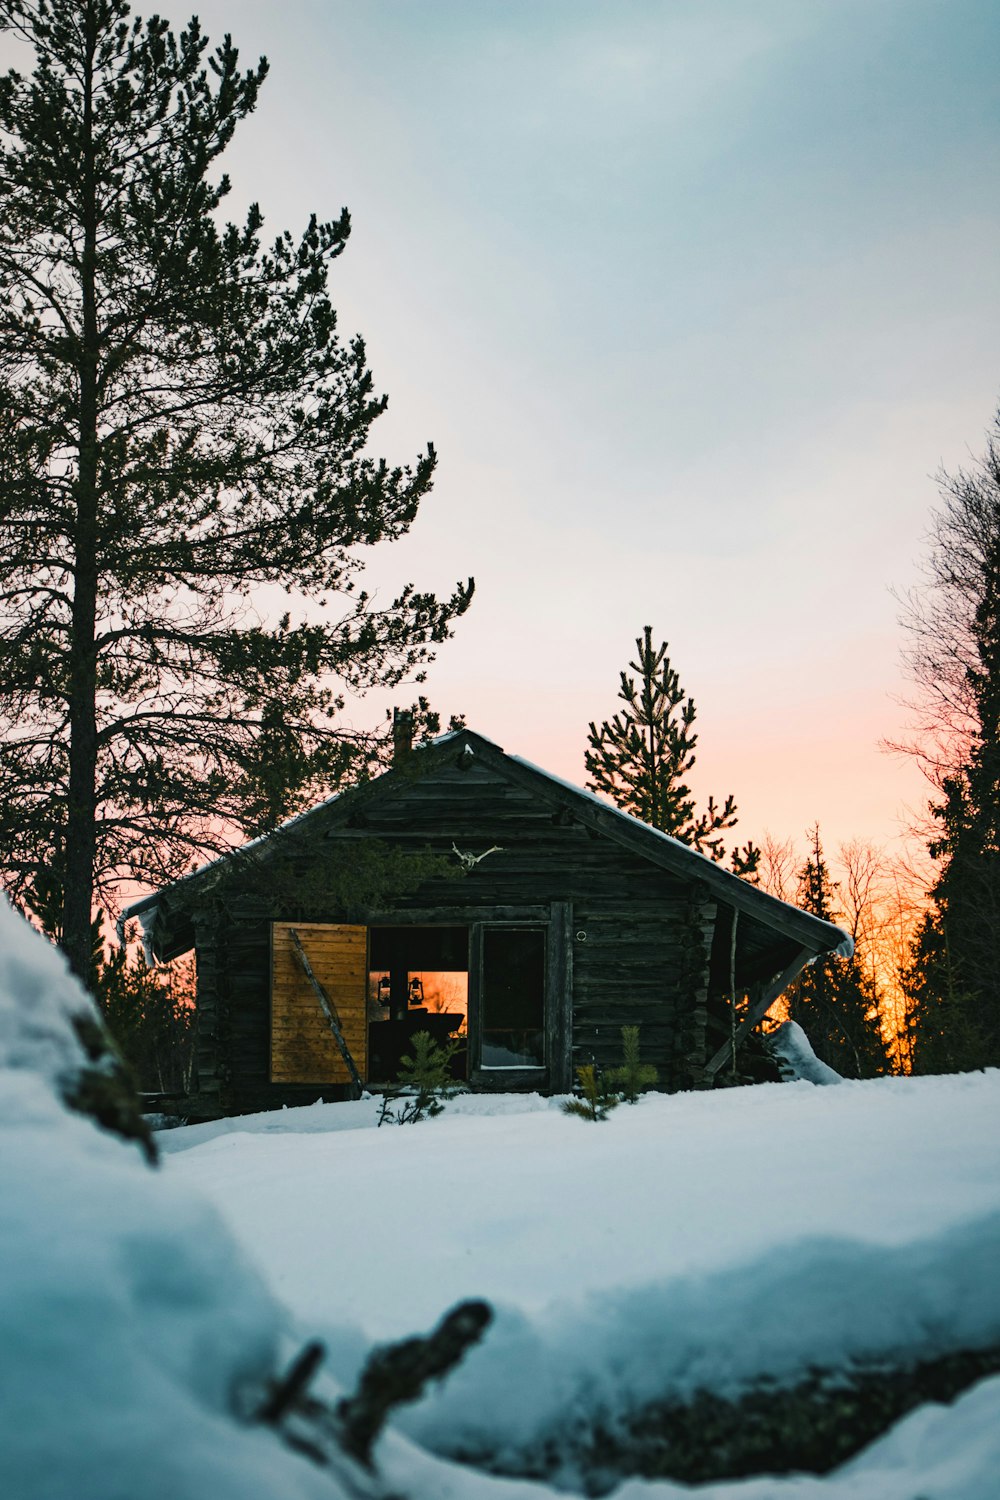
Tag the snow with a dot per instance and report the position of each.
(131, 1323)
(519, 1203)
(321, 1119)
(693, 1240)
(795, 1055)
(147, 926)
(699, 1239)
(38, 1001)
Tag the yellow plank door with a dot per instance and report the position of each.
(303, 1048)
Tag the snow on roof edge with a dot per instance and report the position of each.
(844, 948)
(145, 907)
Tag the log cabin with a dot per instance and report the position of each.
(471, 895)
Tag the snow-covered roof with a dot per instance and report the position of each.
(663, 849)
(708, 871)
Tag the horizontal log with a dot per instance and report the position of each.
(315, 1036)
(809, 1426)
(285, 998)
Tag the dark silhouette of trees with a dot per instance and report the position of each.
(835, 1000)
(954, 629)
(183, 440)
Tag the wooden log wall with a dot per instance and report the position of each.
(210, 1044)
(638, 945)
(636, 957)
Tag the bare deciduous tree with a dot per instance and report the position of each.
(938, 618)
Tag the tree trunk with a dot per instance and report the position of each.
(81, 811)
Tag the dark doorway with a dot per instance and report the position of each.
(513, 997)
(418, 980)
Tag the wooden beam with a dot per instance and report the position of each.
(328, 1009)
(760, 1008)
(559, 997)
(458, 916)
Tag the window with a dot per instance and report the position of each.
(513, 997)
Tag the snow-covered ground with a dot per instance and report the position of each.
(693, 1240)
(131, 1323)
(510, 1199)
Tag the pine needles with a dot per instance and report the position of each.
(599, 1093)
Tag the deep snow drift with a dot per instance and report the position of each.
(694, 1240)
(130, 1321)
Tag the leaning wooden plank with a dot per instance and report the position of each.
(760, 1008)
(303, 1047)
(327, 1007)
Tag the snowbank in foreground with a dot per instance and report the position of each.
(130, 1321)
(540, 1381)
(529, 1209)
(700, 1239)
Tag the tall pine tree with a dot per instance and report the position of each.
(954, 979)
(833, 1000)
(640, 757)
(181, 428)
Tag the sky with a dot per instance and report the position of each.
(694, 301)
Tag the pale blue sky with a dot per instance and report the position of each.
(693, 299)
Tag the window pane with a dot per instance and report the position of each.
(513, 997)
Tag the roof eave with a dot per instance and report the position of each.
(670, 854)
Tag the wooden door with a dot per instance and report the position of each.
(303, 1049)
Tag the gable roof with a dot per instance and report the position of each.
(649, 843)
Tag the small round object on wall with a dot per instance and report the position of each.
(581, 937)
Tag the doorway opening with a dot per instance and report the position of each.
(418, 980)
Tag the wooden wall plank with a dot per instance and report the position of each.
(303, 1049)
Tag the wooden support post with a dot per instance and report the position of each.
(732, 988)
(760, 1008)
(329, 1010)
(559, 998)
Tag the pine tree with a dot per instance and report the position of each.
(640, 757)
(596, 1098)
(953, 654)
(947, 1029)
(150, 1016)
(833, 1000)
(633, 1077)
(955, 978)
(181, 428)
(425, 1080)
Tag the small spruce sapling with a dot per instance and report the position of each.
(596, 1099)
(633, 1077)
(425, 1079)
